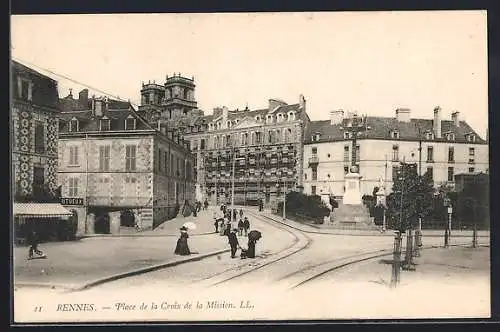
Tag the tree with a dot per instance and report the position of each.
(411, 198)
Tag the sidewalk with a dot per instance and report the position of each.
(70, 264)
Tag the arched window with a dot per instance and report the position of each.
(73, 125)
(277, 138)
(186, 94)
(253, 138)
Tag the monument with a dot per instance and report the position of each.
(352, 194)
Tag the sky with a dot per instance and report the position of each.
(369, 62)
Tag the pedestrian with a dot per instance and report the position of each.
(246, 225)
(228, 227)
(182, 247)
(261, 205)
(241, 213)
(222, 226)
(240, 227)
(195, 212)
(233, 242)
(205, 204)
(33, 242)
(235, 214)
(216, 224)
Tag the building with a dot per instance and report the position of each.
(34, 154)
(448, 147)
(117, 169)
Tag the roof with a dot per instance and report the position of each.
(46, 210)
(239, 114)
(381, 128)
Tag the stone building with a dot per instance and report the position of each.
(448, 146)
(34, 151)
(117, 169)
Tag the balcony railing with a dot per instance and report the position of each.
(314, 160)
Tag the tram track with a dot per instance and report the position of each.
(301, 242)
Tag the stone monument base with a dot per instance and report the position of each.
(350, 216)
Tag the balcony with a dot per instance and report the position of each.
(313, 161)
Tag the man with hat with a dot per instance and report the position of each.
(233, 242)
(246, 225)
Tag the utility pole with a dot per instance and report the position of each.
(216, 176)
(384, 220)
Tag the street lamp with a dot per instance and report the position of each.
(232, 186)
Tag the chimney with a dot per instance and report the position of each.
(225, 113)
(217, 112)
(336, 117)
(83, 97)
(455, 118)
(437, 122)
(403, 114)
(302, 103)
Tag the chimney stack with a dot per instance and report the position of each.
(273, 103)
(336, 117)
(437, 122)
(455, 118)
(83, 98)
(403, 114)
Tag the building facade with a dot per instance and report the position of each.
(448, 147)
(118, 170)
(34, 153)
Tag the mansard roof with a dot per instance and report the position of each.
(381, 128)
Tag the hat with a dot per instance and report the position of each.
(183, 228)
(246, 218)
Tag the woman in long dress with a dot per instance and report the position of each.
(182, 247)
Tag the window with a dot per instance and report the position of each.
(104, 124)
(146, 99)
(347, 135)
(73, 187)
(130, 158)
(430, 173)
(39, 137)
(430, 154)
(450, 173)
(346, 153)
(73, 155)
(314, 174)
(472, 153)
(305, 176)
(429, 136)
(471, 169)
(104, 152)
(450, 136)
(328, 155)
(358, 154)
(165, 162)
(73, 125)
(130, 124)
(395, 134)
(395, 153)
(313, 190)
(346, 169)
(451, 154)
(202, 144)
(314, 151)
(471, 137)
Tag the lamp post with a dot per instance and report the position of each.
(232, 185)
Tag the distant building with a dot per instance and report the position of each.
(34, 122)
(266, 143)
(116, 169)
(448, 147)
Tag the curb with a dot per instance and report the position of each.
(42, 285)
(146, 269)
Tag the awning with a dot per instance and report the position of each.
(40, 210)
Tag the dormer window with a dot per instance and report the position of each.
(291, 116)
(228, 124)
(73, 125)
(269, 118)
(130, 123)
(429, 135)
(347, 135)
(450, 136)
(317, 136)
(104, 124)
(395, 134)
